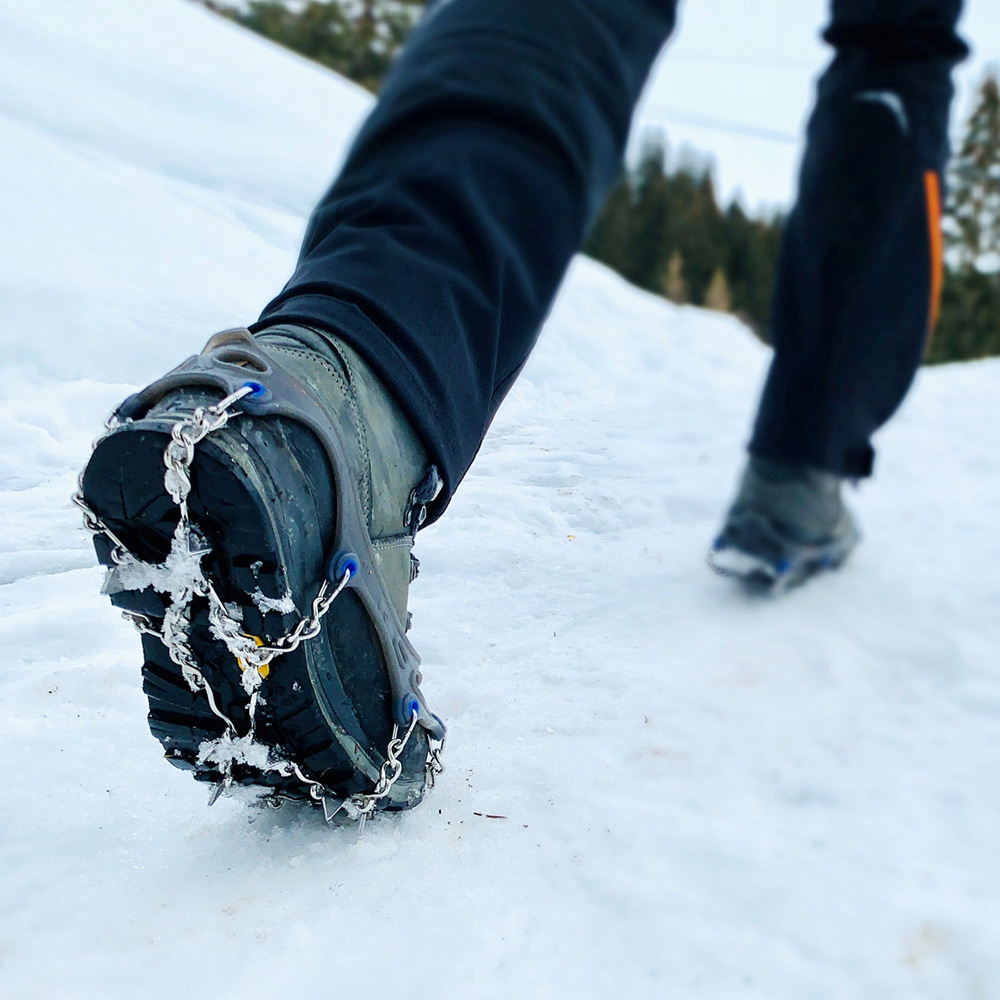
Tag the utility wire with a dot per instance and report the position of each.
(719, 124)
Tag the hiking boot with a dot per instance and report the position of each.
(786, 523)
(256, 509)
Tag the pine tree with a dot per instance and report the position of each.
(610, 237)
(717, 297)
(699, 229)
(651, 240)
(674, 285)
(975, 177)
(969, 325)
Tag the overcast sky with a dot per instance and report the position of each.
(736, 81)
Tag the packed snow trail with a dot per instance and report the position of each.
(656, 785)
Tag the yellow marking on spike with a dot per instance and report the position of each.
(264, 670)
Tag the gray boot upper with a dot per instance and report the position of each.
(803, 502)
(388, 459)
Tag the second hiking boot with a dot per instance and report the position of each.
(786, 523)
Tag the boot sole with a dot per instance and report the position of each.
(326, 705)
(757, 553)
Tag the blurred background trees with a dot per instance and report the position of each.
(357, 38)
(663, 230)
(662, 227)
(970, 306)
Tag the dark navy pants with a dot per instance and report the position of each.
(440, 247)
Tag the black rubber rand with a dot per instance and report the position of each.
(263, 494)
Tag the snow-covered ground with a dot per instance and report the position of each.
(703, 795)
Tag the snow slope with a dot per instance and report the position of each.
(704, 795)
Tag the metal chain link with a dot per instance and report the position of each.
(388, 775)
(178, 457)
(434, 765)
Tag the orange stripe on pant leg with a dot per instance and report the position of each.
(932, 187)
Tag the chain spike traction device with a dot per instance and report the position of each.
(252, 655)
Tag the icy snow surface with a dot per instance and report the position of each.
(702, 795)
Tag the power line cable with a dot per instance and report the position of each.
(720, 124)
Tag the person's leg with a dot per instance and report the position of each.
(857, 287)
(438, 250)
(860, 268)
(260, 501)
